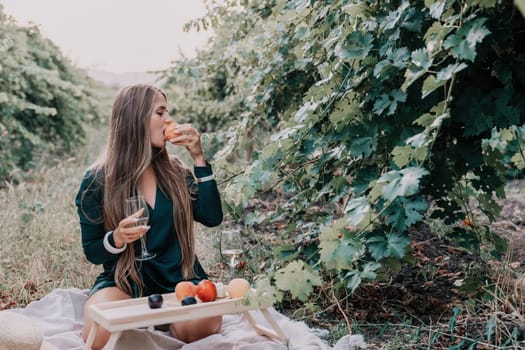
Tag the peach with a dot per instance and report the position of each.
(238, 287)
(185, 289)
(169, 132)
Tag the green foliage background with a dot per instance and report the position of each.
(44, 99)
(367, 117)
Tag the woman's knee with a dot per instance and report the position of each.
(193, 330)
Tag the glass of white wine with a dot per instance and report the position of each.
(231, 248)
(132, 205)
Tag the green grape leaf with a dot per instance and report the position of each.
(264, 294)
(369, 270)
(519, 160)
(357, 45)
(436, 9)
(402, 155)
(421, 59)
(412, 74)
(357, 210)
(414, 211)
(487, 3)
(399, 57)
(363, 146)
(392, 244)
(285, 252)
(447, 72)
(344, 111)
(298, 278)
(381, 66)
(362, 180)
(434, 36)
(405, 212)
(301, 115)
(434, 118)
(418, 140)
(355, 277)
(355, 10)
(462, 44)
(395, 16)
(340, 248)
(389, 101)
(401, 183)
(430, 84)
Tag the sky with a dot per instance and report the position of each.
(115, 35)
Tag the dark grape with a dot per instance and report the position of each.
(188, 301)
(155, 301)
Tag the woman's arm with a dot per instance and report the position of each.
(207, 208)
(89, 202)
(206, 203)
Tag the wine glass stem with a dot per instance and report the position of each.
(144, 250)
(233, 262)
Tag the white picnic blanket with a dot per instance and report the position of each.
(59, 314)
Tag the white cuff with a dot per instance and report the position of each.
(110, 248)
(206, 178)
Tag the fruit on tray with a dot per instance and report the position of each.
(206, 291)
(155, 301)
(188, 301)
(238, 287)
(184, 289)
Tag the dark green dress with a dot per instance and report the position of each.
(162, 273)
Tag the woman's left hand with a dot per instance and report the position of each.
(190, 138)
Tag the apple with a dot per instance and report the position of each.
(185, 289)
(206, 291)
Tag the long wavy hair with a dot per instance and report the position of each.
(129, 152)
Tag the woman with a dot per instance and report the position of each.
(136, 161)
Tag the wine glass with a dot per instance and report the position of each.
(132, 205)
(231, 248)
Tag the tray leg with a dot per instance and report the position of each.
(276, 333)
(273, 323)
(112, 341)
(91, 336)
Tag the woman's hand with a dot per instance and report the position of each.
(128, 231)
(190, 138)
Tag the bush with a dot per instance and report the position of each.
(44, 99)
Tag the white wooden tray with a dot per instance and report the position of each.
(118, 316)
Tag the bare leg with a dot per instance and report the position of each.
(193, 330)
(101, 296)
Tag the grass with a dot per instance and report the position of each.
(39, 229)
